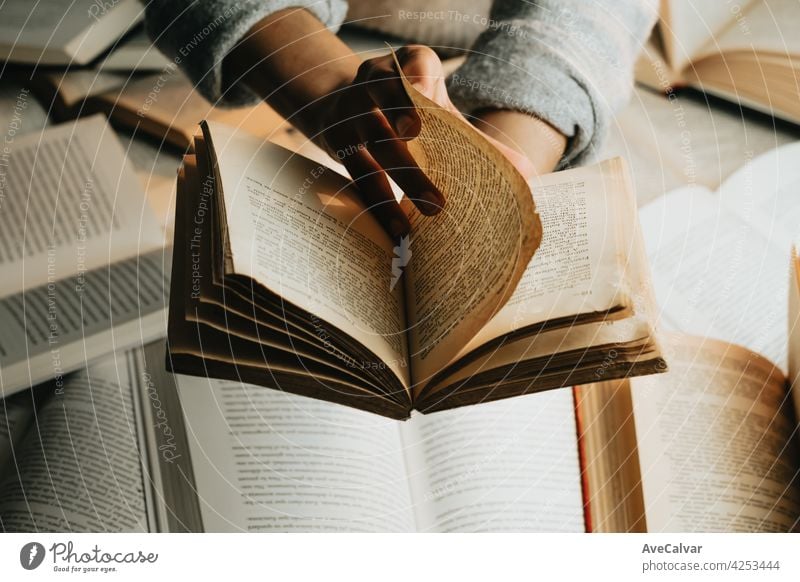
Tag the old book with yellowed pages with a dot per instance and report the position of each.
(745, 52)
(709, 446)
(712, 444)
(163, 105)
(282, 277)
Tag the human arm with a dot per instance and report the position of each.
(358, 112)
(568, 63)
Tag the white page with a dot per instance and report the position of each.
(16, 414)
(765, 26)
(58, 328)
(69, 202)
(80, 470)
(266, 461)
(682, 141)
(62, 32)
(720, 261)
(692, 24)
(510, 465)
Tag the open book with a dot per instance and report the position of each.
(73, 224)
(711, 445)
(242, 458)
(164, 106)
(134, 52)
(280, 275)
(188, 453)
(63, 32)
(745, 52)
(70, 456)
(719, 259)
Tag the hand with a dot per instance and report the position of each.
(358, 111)
(365, 124)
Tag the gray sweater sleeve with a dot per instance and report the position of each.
(569, 62)
(197, 34)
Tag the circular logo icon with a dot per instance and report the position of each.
(31, 555)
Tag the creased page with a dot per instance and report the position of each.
(81, 470)
(69, 202)
(297, 228)
(501, 466)
(266, 461)
(716, 444)
(466, 261)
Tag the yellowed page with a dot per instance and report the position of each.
(580, 265)
(467, 260)
(716, 445)
(583, 337)
(168, 104)
(611, 473)
(299, 229)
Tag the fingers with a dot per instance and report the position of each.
(376, 193)
(381, 82)
(422, 67)
(376, 113)
(393, 156)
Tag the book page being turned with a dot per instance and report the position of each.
(466, 261)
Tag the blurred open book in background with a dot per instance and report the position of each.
(746, 52)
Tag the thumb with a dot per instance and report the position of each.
(423, 69)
